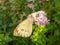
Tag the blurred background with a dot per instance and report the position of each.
(14, 11)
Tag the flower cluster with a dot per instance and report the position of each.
(40, 18)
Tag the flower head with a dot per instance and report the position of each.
(40, 18)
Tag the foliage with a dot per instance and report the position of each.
(14, 11)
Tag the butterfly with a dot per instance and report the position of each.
(24, 29)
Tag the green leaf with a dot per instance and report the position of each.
(56, 17)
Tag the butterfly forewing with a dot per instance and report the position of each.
(24, 29)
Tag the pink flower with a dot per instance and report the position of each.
(41, 19)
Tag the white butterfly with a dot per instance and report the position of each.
(24, 29)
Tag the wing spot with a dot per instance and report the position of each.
(17, 31)
(22, 29)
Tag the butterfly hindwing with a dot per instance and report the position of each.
(24, 29)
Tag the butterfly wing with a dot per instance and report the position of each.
(24, 29)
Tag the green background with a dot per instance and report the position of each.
(14, 11)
